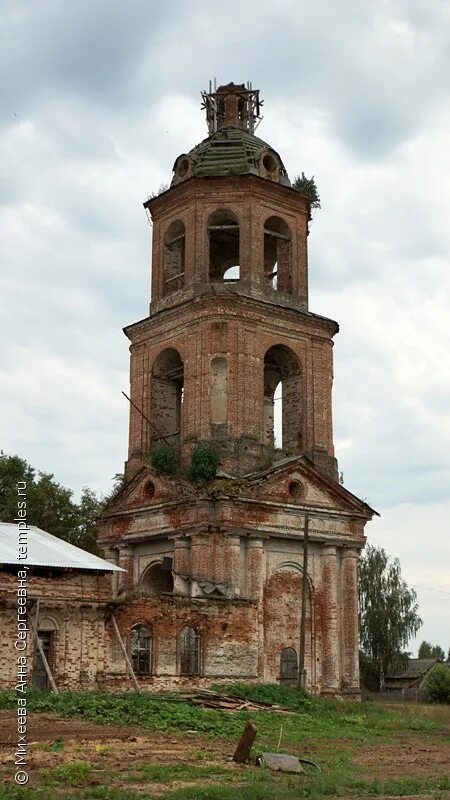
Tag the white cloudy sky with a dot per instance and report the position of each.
(97, 99)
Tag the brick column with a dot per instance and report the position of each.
(112, 554)
(126, 562)
(255, 569)
(350, 626)
(182, 556)
(201, 556)
(232, 561)
(330, 621)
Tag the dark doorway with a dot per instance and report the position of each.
(40, 679)
(288, 667)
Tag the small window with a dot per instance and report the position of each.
(149, 490)
(270, 163)
(190, 652)
(296, 490)
(183, 167)
(141, 649)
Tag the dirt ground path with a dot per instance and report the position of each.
(56, 741)
(105, 746)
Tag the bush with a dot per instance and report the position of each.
(437, 684)
(163, 458)
(204, 462)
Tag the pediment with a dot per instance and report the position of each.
(298, 483)
(146, 488)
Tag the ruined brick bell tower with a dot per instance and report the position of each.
(231, 354)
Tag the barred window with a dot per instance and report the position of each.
(190, 652)
(141, 649)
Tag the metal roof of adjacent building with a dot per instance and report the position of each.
(46, 550)
(415, 668)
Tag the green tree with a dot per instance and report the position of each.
(307, 186)
(427, 650)
(437, 684)
(89, 509)
(388, 613)
(50, 506)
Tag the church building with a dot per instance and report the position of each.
(231, 361)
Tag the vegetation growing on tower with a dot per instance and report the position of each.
(308, 187)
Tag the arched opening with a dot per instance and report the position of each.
(223, 235)
(173, 259)
(288, 667)
(157, 578)
(190, 652)
(282, 385)
(277, 416)
(167, 396)
(278, 254)
(231, 275)
(142, 649)
(219, 391)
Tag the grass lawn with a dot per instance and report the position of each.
(177, 751)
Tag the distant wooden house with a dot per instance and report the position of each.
(410, 676)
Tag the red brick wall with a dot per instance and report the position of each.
(72, 606)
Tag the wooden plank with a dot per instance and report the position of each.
(46, 666)
(245, 744)
(125, 654)
(276, 235)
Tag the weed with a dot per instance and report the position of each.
(74, 773)
(56, 746)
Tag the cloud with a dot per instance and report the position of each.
(99, 100)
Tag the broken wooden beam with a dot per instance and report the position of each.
(125, 654)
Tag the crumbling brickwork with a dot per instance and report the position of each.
(72, 613)
(213, 573)
(235, 548)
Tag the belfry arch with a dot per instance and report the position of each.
(283, 382)
(167, 389)
(278, 254)
(223, 245)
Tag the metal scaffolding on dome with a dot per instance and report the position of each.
(248, 106)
